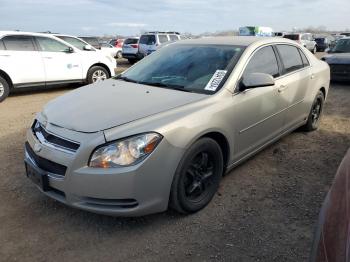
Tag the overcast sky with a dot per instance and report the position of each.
(129, 17)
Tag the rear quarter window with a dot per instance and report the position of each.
(304, 58)
(290, 57)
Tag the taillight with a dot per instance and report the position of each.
(134, 45)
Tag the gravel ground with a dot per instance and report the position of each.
(265, 209)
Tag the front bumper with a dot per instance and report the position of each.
(126, 191)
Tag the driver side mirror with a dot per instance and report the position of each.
(255, 80)
(69, 50)
(88, 48)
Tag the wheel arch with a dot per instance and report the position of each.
(102, 65)
(223, 143)
(323, 90)
(7, 78)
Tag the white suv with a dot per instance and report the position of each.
(36, 59)
(149, 42)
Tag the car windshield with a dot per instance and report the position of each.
(343, 46)
(73, 41)
(192, 68)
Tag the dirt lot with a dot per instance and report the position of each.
(265, 209)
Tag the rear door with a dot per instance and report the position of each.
(259, 112)
(147, 43)
(296, 79)
(60, 64)
(22, 60)
(130, 46)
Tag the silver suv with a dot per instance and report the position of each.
(150, 41)
(305, 39)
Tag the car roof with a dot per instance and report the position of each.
(3, 33)
(235, 40)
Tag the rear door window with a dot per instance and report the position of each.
(19, 43)
(290, 57)
(163, 38)
(263, 61)
(173, 37)
(148, 39)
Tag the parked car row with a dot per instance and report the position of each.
(338, 59)
(41, 59)
(135, 48)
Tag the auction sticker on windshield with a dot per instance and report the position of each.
(215, 81)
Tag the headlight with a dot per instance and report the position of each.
(125, 152)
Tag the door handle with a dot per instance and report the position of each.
(312, 76)
(6, 55)
(48, 57)
(282, 88)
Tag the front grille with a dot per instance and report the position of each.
(45, 164)
(38, 131)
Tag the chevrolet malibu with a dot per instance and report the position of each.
(164, 132)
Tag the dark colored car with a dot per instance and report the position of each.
(323, 43)
(332, 237)
(93, 41)
(338, 59)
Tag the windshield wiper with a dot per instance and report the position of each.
(168, 86)
(126, 79)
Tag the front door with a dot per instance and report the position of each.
(258, 114)
(60, 63)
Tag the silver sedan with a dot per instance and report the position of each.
(163, 133)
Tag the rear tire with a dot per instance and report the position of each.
(97, 73)
(4, 89)
(313, 120)
(197, 177)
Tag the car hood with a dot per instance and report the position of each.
(112, 103)
(342, 58)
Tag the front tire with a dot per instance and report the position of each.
(197, 177)
(313, 120)
(119, 55)
(314, 51)
(96, 74)
(4, 89)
